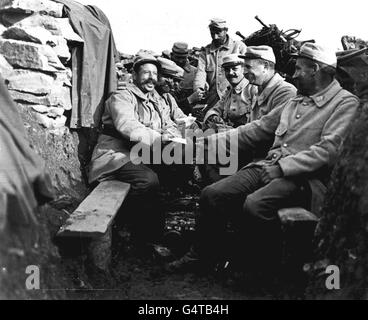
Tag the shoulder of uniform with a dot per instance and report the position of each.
(123, 93)
(347, 95)
(206, 48)
(239, 43)
(289, 86)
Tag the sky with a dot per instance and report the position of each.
(157, 24)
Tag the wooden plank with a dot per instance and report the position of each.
(96, 213)
(296, 214)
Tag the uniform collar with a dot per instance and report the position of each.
(226, 45)
(326, 94)
(322, 97)
(270, 87)
(240, 86)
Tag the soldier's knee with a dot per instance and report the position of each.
(209, 195)
(252, 206)
(149, 183)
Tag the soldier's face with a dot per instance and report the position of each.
(304, 76)
(218, 35)
(176, 84)
(255, 71)
(234, 74)
(146, 77)
(165, 84)
(181, 61)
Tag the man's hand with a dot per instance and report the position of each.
(270, 173)
(166, 137)
(196, 96)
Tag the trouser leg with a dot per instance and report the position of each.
(220, 203)
(260, 227)
(142, 209)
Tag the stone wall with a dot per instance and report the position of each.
(35, 62)
(35, 59)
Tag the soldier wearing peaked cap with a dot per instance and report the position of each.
(307, 133)
(184, 93)
(170, 76)
(231, 111)
(134, 114)
(209, 73)
(273, 90)
(234, 108)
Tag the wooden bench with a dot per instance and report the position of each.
(93, 218)
(292, 215)
(95, 214)
(298, 227)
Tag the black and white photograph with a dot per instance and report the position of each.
(183, 155)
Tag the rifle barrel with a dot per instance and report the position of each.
(261, 22)
(240, 35)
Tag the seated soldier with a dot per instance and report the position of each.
(170, 75)
(273, 90)
(308, 132)
(235, 107)
(134, 115)
(184, 94)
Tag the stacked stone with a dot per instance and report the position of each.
(35, 55)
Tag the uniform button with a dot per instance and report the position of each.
(298, 116)
(285, 145)
(274, 155)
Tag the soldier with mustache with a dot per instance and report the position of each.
(134, 115)
(209, 73)
(234, 108)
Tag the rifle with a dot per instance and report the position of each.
(283, 43)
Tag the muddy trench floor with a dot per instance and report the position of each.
(141, 275)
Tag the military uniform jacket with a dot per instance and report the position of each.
(209, 67)
(189, 75)
(236, 105)
(276, 92)
(136, 117)
(308, 133)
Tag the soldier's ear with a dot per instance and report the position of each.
(316, 67)
(134, 75)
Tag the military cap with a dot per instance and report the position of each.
(218, 23)
(259, 52)
(179, 73)
(317, 53)
(143, 59)
(231, 60)
(169, 67)
(180, 49)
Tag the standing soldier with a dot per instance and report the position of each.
(209, 72)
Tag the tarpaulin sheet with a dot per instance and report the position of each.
(93, 63)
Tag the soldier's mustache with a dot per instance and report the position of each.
(150, 81)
